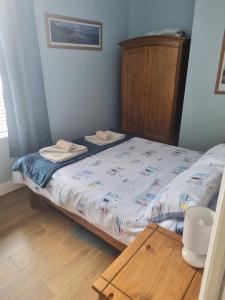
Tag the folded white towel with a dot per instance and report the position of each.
(66, 146)
(55, 154)
(103, 135)
(114, 137)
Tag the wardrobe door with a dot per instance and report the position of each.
(161, 89)
(134, 85)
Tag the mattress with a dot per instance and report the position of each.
(112, 189)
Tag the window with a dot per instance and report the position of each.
(3, 125)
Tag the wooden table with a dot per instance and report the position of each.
(151, 268)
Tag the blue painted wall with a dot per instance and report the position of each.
(82, 87)
(203, 121)
(148, 15)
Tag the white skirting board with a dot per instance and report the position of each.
(8, 187)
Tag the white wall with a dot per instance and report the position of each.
(82, 87)
(203, 120)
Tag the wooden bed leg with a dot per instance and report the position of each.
(34, 201)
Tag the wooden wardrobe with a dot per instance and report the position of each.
(153, 76)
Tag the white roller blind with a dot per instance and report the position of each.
(3, 125)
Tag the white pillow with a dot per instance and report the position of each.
(196, 186)
(214, 156)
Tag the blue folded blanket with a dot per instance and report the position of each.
(40, 170)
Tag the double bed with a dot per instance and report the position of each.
(110, 192)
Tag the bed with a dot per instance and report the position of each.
(110, 192)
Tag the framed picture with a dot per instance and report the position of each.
(220, 82)
(66, 32)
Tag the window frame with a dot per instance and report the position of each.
(4, 129)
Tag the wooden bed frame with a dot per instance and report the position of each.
(36, 200)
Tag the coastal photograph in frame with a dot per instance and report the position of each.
(67, 32)
(220, 82)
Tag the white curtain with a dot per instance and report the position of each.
(21, 72)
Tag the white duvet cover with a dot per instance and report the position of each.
(113, 188)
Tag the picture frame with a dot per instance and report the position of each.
(220, 81)
(72, 33)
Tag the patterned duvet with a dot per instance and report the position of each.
(113, 188)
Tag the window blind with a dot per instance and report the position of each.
(3, 125)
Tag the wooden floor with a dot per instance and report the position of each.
(44, 255)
